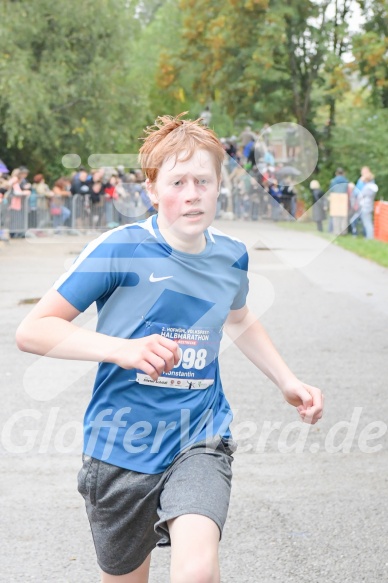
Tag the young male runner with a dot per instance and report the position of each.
(157, 444)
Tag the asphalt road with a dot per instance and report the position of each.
(309, 504)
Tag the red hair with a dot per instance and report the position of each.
(173, 136)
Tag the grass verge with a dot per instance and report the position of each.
(371, 249)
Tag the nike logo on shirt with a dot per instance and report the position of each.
(153, 279)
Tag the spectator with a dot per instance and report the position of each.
(319, 207)
(140, 177)
(366, 198)
(129, 198)
(260, 151)
(245, 192)
(17, 195)
(249, 153)
(355, 205)
(80, 183)
(40, 193)
(58, 211)
(4, 186)
(222, 203)
(247, 141)
(110, 196)
(23, 174)
(145, 203)
(238, 188)
(97, 177)
(254, 154)
(246, 136)
(365, 171)
(256, 199)
(275, 199)
(269, 158)
(354, 213)
(121, 171)
(339, 183)
(267, 174)
(289, 196)
(96, 202)
(40, 186)
(230, 149)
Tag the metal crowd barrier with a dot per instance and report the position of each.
(19, 214)
(86, 214)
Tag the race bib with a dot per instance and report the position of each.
(196, 368)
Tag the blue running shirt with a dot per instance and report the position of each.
(142, 286)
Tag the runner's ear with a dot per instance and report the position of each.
(149, 185)
(151, 189)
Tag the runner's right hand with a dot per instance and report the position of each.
(153, 355)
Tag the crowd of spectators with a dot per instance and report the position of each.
(360, 201)
(258, 182)
(263, 186)
(105, 197)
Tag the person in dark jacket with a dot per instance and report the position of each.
(275, 199)
(339, 183)
(289, 196)
(319, 212)
(80, 183)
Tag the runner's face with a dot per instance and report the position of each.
(186, 193)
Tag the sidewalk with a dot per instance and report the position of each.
(308, 504)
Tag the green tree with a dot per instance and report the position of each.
(158, 32)
(160, 23)
(359, 139)
(339, 41)
(66, 80)
(262, 59)
(370, 49)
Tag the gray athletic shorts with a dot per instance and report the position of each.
(128, 511)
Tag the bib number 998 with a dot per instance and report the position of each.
(191, 358)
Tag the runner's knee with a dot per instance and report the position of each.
(202, 570)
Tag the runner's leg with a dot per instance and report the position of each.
(139, 575)
(194, 549)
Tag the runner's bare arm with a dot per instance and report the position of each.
(251, 338)
(48, 330)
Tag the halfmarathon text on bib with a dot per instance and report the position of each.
(198, 354)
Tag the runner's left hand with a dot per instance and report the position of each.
(307, 399)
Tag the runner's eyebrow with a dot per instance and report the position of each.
(180, 176)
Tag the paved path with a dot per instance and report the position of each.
(306, 506)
